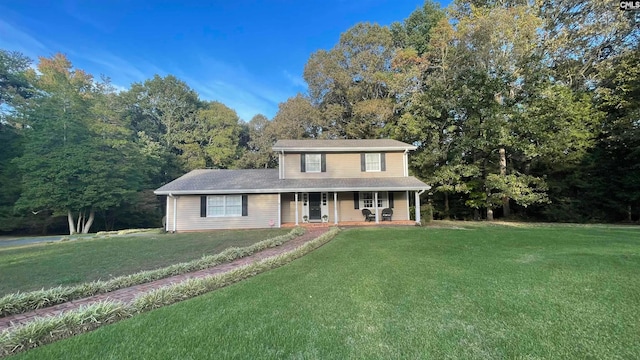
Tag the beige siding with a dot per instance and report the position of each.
(288, 208)
(261, 209)
(343, 165)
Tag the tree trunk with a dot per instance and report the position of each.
(80, 221)
(489, 214)
(72, 225)
(87, 225)
(446, 206)
(629, 212)
(506, 209)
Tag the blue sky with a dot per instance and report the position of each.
(248, 55)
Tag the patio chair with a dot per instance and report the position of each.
(386, 214)
(368, 216)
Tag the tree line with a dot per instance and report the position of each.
(521, 109)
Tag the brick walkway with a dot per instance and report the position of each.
(127, 295)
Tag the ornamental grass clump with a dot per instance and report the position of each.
(49, 329)
(18, 303)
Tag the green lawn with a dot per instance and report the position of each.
(68, 263)
(389, 293)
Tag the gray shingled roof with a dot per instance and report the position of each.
(266, 181)
(342, 145)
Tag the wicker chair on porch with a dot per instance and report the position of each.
(387, 213)
(368, 216)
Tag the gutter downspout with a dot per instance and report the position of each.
(175, 212)
(418, 193)
(405, 161)
(282, 164)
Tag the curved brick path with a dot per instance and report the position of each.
(127, 295)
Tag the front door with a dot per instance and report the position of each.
(315, 212)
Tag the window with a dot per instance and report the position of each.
(372, 161)
(313, 162)
(224, 205)
(366, 200)
(324, 199)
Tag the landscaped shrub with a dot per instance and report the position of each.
(49, 329)
(426, 213)
(22, 302)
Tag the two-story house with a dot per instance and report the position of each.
(329, 181)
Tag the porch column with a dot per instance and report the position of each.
(335, 208)
(418, 208)
(375, 205)
(296, 201)
(279, 210)
(408, 207)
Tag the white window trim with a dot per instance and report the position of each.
(366, 167)
(224, 206)
(383, 199)
(306, 160)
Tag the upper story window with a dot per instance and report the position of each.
(372, 162)
(313, 163)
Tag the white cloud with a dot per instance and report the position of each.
(113, 66)
(296, 81)
(16, 39)
(237, 88)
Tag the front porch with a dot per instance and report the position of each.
(347, 208)
(351, 223)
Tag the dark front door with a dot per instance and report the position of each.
(315, 212)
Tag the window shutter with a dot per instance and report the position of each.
(244, 205)
(356, 200)
(390, 199)
(302, 164)
(363, 164)
(383, 163)
(203, 206)
(323, 162)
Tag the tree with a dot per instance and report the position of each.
(15, 89)
(348, 84)
(76, 158)
(261, 138)
(14, 83)
(211, 139)
(161, 110)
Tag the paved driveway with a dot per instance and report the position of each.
(18, 241)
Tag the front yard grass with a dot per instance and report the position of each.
(74, 262)
(385, 293)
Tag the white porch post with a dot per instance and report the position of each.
(335, 208)
(418, 208)
(296, 201)
(375, 205)
(279, 210)
(408, 207)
